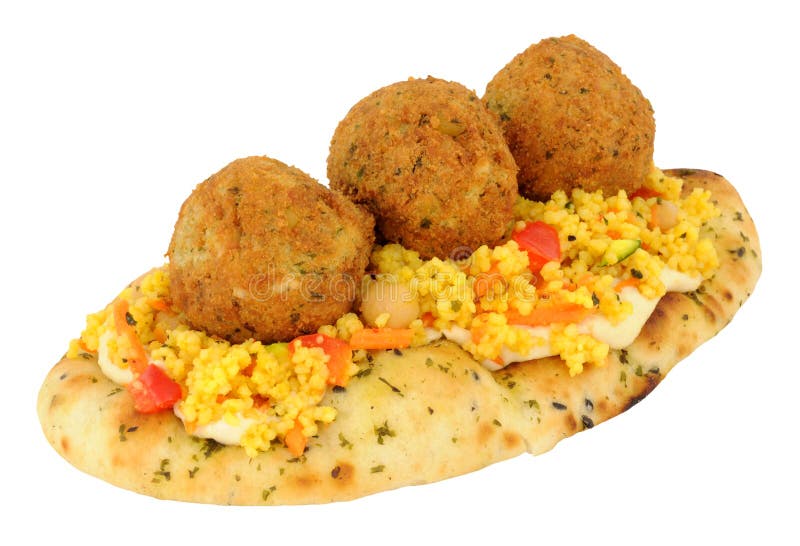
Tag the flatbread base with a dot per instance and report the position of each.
(415, 416)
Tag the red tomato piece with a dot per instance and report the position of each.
(541, 242)
(154, 391)
(339, 352)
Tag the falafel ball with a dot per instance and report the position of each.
(430, 162)
(263, 250)
(572, 119)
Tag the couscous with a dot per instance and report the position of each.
(579, 276)
(247, 393)
(507, 304)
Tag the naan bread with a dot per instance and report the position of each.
(414, 416)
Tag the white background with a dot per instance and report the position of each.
(109, 116)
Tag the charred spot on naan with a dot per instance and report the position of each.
(307, 481)
(650, 382)
(512, 440)
(485, 433)
(342, 473)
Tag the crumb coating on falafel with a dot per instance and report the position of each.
(262, 250)
(572, 119)
(430, 162)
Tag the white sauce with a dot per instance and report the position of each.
(457, 335)
(219, 430)
(623, 333)
(675, 281)
(616, 336)
(541, 349)
(432, 334)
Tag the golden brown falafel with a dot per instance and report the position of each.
(263, 250)
(430, 162)
(572, 119)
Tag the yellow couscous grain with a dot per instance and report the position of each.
(496, 281)
(494, 298)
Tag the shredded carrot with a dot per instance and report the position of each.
(477, 333)
(585, 279)
(295, 439)
(338, 364)
(137, 361)
(614, 234)
(381, 338)
(160, 305)
(632, 281)
(644, 193)
(159, 334)
(653, 213)
(120, 311)
(569, 313)
(248, 371)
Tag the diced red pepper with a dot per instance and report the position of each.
(541, 242)
(428, 319)
(339, 352)
(154, 391)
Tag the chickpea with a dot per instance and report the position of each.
(665, 215)
(379, 296)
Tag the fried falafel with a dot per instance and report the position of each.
(430, 162)
(262, 250)
(572, 119)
